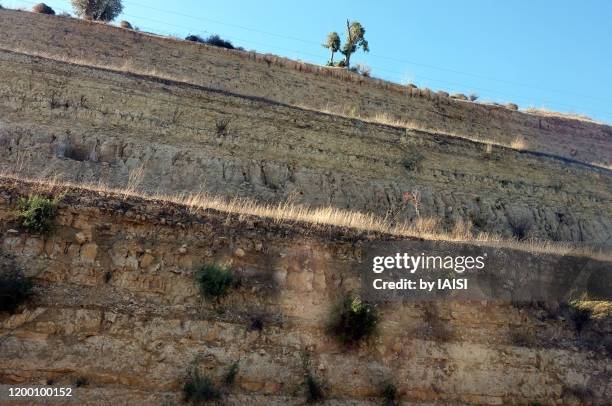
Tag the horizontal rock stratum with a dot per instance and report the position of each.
(117, 305)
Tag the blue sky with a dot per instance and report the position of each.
(546, 54)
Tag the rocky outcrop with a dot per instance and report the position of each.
(116, 304)
(93, 125)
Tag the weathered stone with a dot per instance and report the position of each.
(89, 252)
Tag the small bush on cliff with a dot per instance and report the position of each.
(36, 213)
(15, 288)
(221, 125)
(412, 160)
(354, 320)
(42, 8)
(314, 389)
(100, 10)
(199, 389)
(125, 24)
(230, 376)
(579, 314)
(214, 281)
(389, 394)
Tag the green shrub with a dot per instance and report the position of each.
(194, 38)
(125, 24)
(42, 8)
(81, 381)
(354, 321)
(214, 281)
(221, 125)
(100, 10)
(36, 213)
(389, 394)
(314, 389)
(15, 288)
(579, 314)
(230, 376)
(412, 160)
(199, 389)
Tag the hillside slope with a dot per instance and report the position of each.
(297, 83)
(90, 124)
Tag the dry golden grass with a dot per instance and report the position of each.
(347, 111)
(386, 119)
(542, 111)
(288, 213)
(518, 143)
(599, 309)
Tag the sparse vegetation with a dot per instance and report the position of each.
(424, 227)
(362, 69)
(354, 321)
(333, 44)
(314, 389)
(580, 315)
(125, 24)
(214, 281)
(521, 226)
(42, 8)
(355, 39)
(213, 40)
(458, 96)
(217, 41)
(257, 323)
(199, 389)
(518, 143)
(36, 213)
(98, 10)
(230, 376)
(512, 106)
(389, 394)
(15, 289)
(81, 381)
(473, 97)
(412, 159)
(221, 125)
(194, 38)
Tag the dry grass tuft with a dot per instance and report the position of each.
(518, 143)
(542, 111)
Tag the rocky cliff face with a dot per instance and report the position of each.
(94, 125)
(297, 83)
(116, 304)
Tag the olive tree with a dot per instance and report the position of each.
(333, 44)
(101, 10)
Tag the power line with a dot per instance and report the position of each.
(514, 97)
(395, 59)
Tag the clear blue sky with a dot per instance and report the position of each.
(550, 54)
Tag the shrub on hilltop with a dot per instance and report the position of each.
(42, 8)
(213, 40)
(99, 10)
